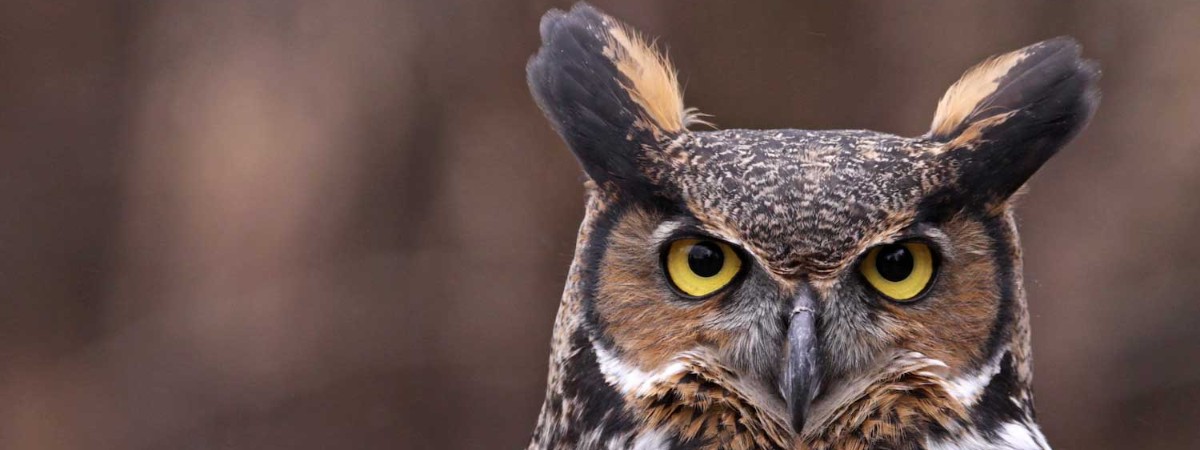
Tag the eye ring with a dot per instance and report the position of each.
(700, 267)
(902, 272)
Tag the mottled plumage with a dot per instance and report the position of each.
(802, 348)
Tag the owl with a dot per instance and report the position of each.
(794, 289)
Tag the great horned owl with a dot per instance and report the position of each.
(782, 289)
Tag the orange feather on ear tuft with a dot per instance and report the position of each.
(653, 83)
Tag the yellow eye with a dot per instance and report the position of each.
(899, 271)
(699, 267)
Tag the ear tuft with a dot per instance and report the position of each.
(1009, 115)
(606, 90)
(1047, 79)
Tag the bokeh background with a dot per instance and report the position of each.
(315, 224)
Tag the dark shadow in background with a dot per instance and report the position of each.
(321, 225)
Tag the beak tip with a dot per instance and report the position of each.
(798, 421)
(799, 401)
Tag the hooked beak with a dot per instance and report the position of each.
(800, 382)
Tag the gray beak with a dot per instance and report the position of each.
(800, 380)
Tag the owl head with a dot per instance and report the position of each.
(794, 288)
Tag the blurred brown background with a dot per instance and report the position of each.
(311, 225)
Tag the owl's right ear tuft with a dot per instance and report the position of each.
(607, 92)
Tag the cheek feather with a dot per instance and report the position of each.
(630, 380)
(647, 324)
(968, 387)
(636, 309)
(953, 323)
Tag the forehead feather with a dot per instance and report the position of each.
(804, 198)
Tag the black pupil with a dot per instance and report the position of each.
(706, 259)
(894, 262)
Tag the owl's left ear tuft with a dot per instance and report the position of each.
(1008, 115)
(1047, 79)
(606, 91)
